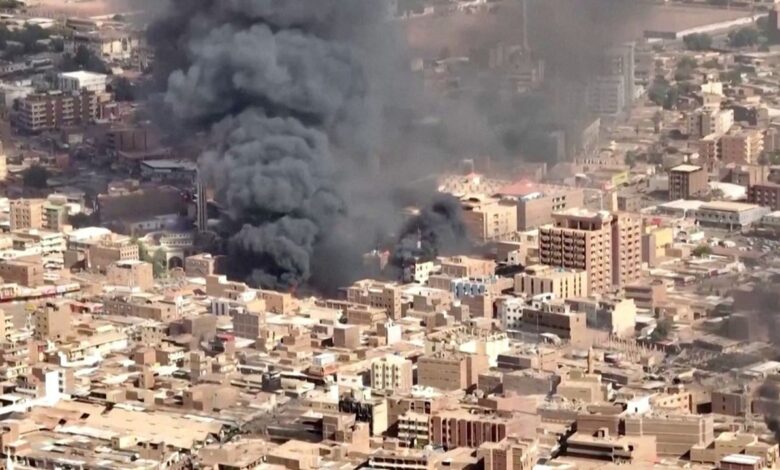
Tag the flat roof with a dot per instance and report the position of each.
(686, 168)
(81, 74)
(729, 206)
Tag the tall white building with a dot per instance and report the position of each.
(76, 81)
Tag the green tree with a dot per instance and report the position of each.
(685, 69)
(701, 251)
(159, 263)
(698, 42)
(35, 177)
(744, 37)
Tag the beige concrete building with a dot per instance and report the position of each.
(459, 428)
(626, 248)
(465, 266)
(543, 279)
(377, 294)
(511, 453)
(392, 373)
(131, 273)
(450, 371)
(52, 322)
(709, 120)
(489, 218)
(533, 211)
(27, 213)
(687, 182)
(580, 239)
(248, 324)
(101, 254)
(26, 272)
(744, 146)
(709, 148)
(675, 435)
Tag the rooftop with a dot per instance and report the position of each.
(686, 168)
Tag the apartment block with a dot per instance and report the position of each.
(580, 239)
(510, 453)
(248, 324)
(52, 322)
(709, 148)
(465, 266)
(377, 294)
(391, 373)
(489, 218)
(675, 435)
(459, 428)
(709, 120)
(131, 273)
(765, 194)
(25, 272)
(687, 182)
(450, 371)
(54, 110)
(626, 248)
(26, 213)
(744, 146)
(561, 282)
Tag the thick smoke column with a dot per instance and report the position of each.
(282, 87)
(438, 229)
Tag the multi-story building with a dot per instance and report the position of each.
(537, 202)
(709, 148)
(465, 266)
(555, 318)
(730, 215)
(744, 146)
(626, 248)
(377, 294)
(606, 95)
(489, 218)
(131, 273)
(27, 273)
(511, 453)
(766, 194)
(26, 213)
(450, 371)
(459, 428)
(391, 373)
(54, 110)
(687, 182)
(52, 322)
(83, 80)
(580, 239)
(675, 434)
(709, 120)
(543, 279)
(248, 324)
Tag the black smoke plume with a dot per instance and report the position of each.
(313, 121)
(438, 229)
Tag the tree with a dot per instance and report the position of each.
(711, 64)
(84, 59)
(159, 263)
(698, 42)
(662, 329)
(685, 68)
(35, 177)
(701, 251)
(744, 37)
